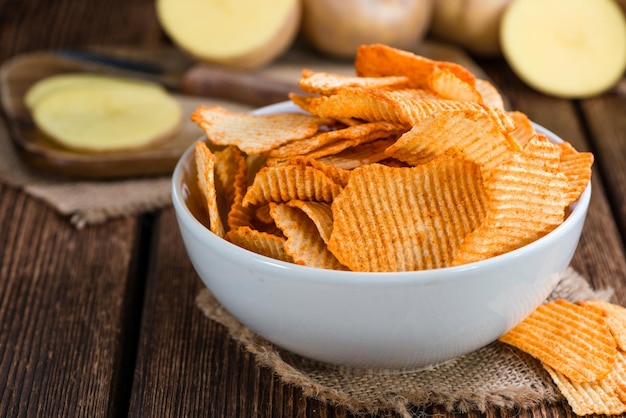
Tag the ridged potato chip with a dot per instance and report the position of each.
(527, 197)
(379, 60)
(478, 180)
(364, 154)
(341, 138)
(293, 180)
(260, 242)
(524, 131)
(577, 167)
(575, 340)
(604, 396)
(254, 134)
(448, 86)
(616, 319)
(320, 213)
(474, 134)
(304, 243)
(205, 166)
(404, 107)
(489, 93)
(403, 219)
(327, 83)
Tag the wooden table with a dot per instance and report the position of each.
(102, 321)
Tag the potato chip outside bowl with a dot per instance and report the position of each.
(406, 320)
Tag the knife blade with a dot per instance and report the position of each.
(199, 79)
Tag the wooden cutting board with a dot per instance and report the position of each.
(202, 84)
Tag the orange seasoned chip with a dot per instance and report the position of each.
(251, 133)
(205, 166)
(524, 129)
(340, 138)
(573, 339)
(402, 219)
(473, 133)
(304, 243)
(293, 180)
(369, 153)
(616, 319)
(263, 243)
(404, 107)
(231, 171)
(577, 167)
(448, 86)
(527, 199)
(605, 396)
(489, 93)
(303, 101)
(327, 83)
(379, 60)
(320, 213)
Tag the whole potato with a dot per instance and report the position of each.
(337, 28)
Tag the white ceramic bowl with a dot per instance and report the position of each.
(374, 320)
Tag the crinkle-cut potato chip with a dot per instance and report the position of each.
(260, 242)
(504, 120)
(405, 219)
(231, 172)
(573, 339)
(254, 134)
(304, 243)
(205, 167)
(339, 176)
(577, 167)
(303, 101)
(327, 83)
(292, 180)
(320, 213)
(364, 154)
(605, 396)
(524, 129)
(448, 86)
(229, 163)
(350, 135)
(378, 60)
(408, 107)
(474, 134)
(489, 93)
(527, 199)
(616, 319)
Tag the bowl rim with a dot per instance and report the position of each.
(577, 214)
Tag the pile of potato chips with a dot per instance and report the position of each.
(411, 164)
(583, 347)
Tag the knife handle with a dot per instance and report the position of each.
(234, 85)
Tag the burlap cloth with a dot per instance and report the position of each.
(94, 201)
(496, 375)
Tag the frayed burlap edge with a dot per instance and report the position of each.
(494, 376)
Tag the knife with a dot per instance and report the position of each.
(199, 79)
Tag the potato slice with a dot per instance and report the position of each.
(243, 34)
(103, 113)
(566, 48)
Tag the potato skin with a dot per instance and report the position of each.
(473, 24)
(337, 28)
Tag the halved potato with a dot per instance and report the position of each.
(98, 113)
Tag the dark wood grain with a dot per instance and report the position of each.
(600, 255)
(64, 311)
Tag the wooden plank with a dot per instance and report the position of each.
(62, 310)
(186, 364)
